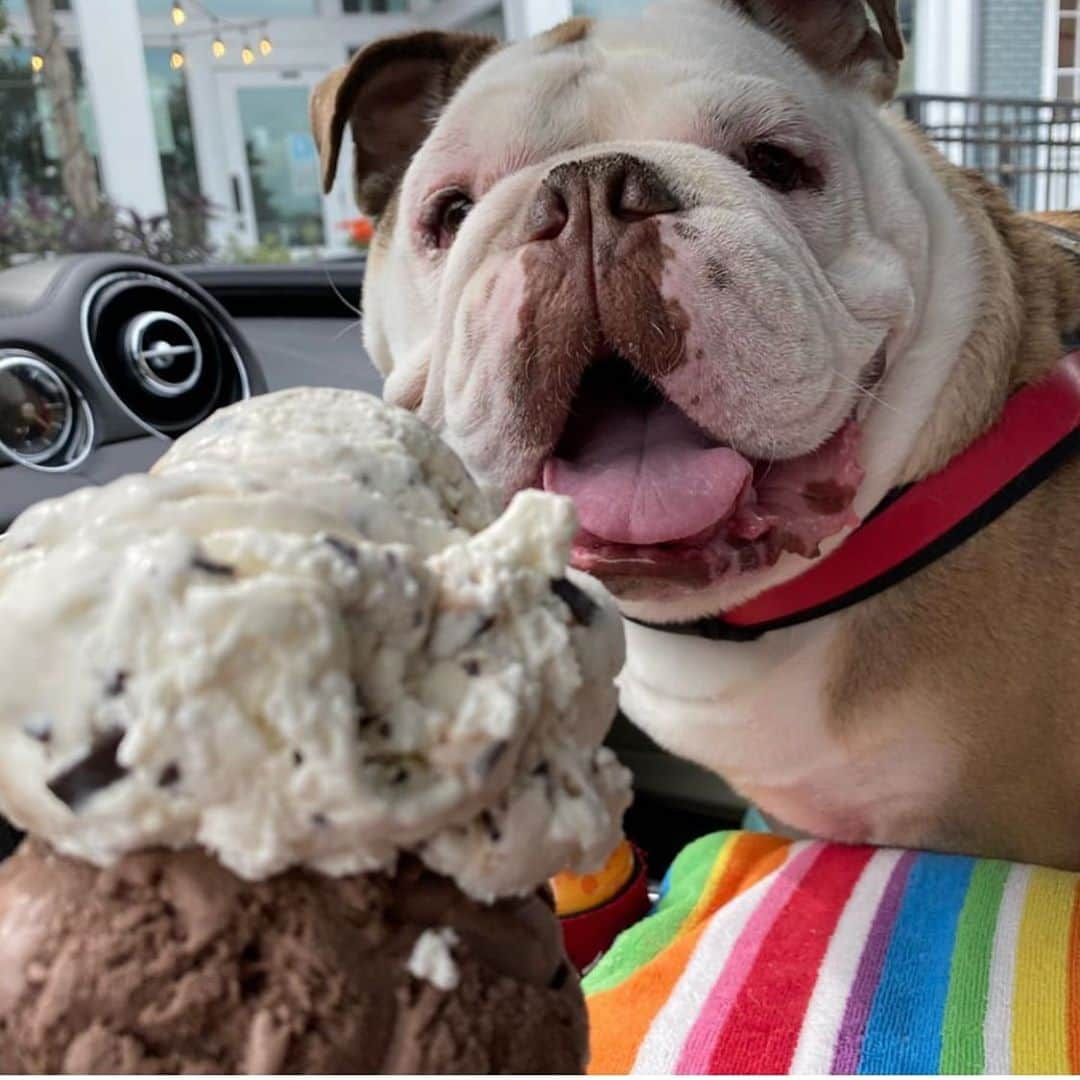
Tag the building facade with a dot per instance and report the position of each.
(205, 106)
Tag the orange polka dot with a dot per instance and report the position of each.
(589, 884)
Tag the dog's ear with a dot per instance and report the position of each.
(390, 94)
(837, 37)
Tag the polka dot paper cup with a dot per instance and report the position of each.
(595, 908)
(575, 893)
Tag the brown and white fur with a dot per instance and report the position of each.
(944, 712)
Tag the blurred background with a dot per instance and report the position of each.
(178, 128)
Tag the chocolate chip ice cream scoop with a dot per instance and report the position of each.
(308, 640)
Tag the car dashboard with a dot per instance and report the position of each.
(105, 359)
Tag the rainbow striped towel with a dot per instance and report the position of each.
(765, 955)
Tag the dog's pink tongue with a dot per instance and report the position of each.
(647, 477)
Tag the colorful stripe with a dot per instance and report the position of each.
(697, 1055)
(826, 1010)
(915, 980)
(756, 1042)
(997, 1030)
(660, 1050)
(635, 980)
(766, 956)
(1072, 1006)
(962, 1049)
(857, 1011)
(1040, 1040)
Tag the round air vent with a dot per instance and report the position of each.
(45, 421)
(165, 357)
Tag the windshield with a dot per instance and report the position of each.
(178, 129)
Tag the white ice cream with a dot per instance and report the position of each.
(304, 641)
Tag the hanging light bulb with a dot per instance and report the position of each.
(37, 62)
(247, 54)
(178, 14)
(176, 58)
(266, 46)
(217, 47)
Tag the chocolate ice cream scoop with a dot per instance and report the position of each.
(307, 640)
(168, 963)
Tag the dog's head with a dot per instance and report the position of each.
(654, 264)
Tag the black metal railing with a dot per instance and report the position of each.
(1030, 148)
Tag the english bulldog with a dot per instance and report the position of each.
(689, 270)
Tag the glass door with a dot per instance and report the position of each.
(274, 167)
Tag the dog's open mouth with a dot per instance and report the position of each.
(658, 497)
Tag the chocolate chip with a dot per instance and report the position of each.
(117, 684)
(558, 980)
(491, 757)
(364, 722)
(472, 667)
(320, 821)
(489, 824)
(581, 605)
(170, 775)
(208, 566)
(401, 774)
(542, 769)
(297, 758)
(392, 561)
(98, 770)
(252, 976)
(385, 729)
(456, 629)
(418, 618)
(39, 729)
(347, 551)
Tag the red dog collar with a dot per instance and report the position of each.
(1038, 432)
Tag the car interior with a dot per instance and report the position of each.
(104, 359)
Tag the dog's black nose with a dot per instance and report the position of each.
(615, 188)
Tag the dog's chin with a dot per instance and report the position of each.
(668, 512)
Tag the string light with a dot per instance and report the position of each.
(37, 63)
(219, 48)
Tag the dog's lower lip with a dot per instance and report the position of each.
(789, 506)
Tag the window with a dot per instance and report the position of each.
(172, 125)
(235, 9)
(18, 7)
(373, 7)
(492, 24)
(907, 28)
(609, 9)
(28, 147)
(1068, 57)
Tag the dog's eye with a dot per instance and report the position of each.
(443, 216)
(779, 168)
